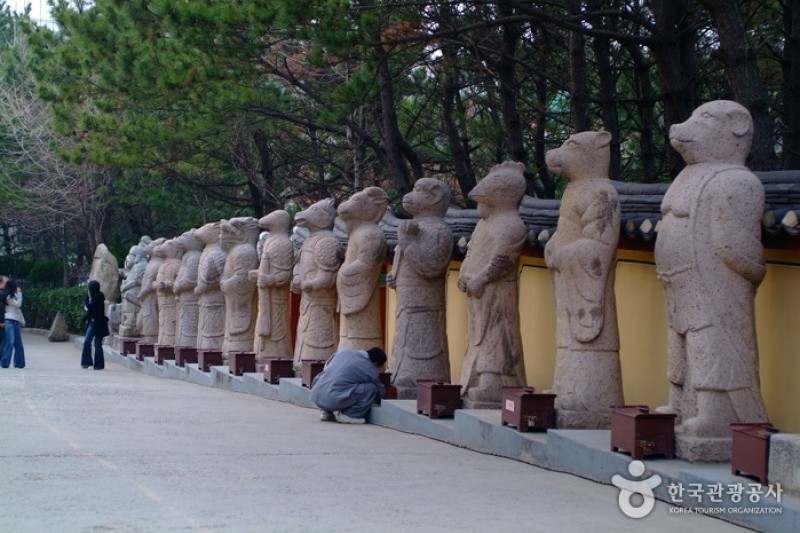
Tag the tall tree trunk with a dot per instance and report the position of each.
(608, 91)
(578, 75)
(675, 60)
(791, 85)
(741, 71)
(645, 102)
(392, 138)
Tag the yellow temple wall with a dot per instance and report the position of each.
(643, 332)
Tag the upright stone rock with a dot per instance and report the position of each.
(191, 248)
(165, 282)
(105, 269)
(314, 278)
(273, 278)
(133, 273)
(238, 239)
(488, 275)
(211, 301)
(582, 262)
(147, 321)
(58, 329)
(358, 279)
(419, 275)
(710, 261)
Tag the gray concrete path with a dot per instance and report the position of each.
(117, 450)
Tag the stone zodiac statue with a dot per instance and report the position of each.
(582, 261)
(419, 274)
(135, 264)
(488, 275)
(187, 301)
(357, 282)
(165, 280)
(147, 321)
(314, 278)
(273, 277)
(211, 301)
(238, 239)
(710, 261)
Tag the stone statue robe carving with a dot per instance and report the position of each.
(147, 321)
(273, 278)
(210, 300)
(357, 282)
(582, 262)
(314, 277)
(488, 275)
(710, 261)
(419, 275)
(238, 238)
(135, 264)
(188, 314)
(165, 280)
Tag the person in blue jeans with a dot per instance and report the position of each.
(94, 303)
(14, 320)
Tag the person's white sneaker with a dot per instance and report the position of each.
(326, 416)
(344, 419)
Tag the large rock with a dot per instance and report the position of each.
(105, 269)
(58, 329)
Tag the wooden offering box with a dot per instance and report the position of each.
(526, 411)
(208, 358)
(391, 390)
(437, 399)
(145, 349)
(277, 368)
(241, 362)
(637, 431)
(128, 346)
(750, 454)
(164, 352)
(309, 368)
(185, 354)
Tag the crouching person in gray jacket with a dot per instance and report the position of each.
(349, 384)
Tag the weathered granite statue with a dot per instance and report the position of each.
(135, 264)
(105, 269)
(211, 301)
(710, 261)
(147, 321)
(488, 275)
(419, 274)
(357, 282)
(582, 261)
(314, 278)
(273, 277)
(238, 239)
(191, 248)
(165, 281)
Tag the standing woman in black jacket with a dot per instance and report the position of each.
(94, 304)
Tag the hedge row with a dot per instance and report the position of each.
(41, 305)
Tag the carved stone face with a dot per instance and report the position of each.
(277, 221)
(430, 197)
(318, 216)
(189, 241)
(209, 233)
(582, 155)
(503, 187)
(719, 131)
(238, 231)
(369, 204)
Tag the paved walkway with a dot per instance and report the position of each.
(117, 450)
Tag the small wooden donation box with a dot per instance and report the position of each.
(637, 431)
(309, 368)
(437, 399)
(277, 368)
(164, 352)
(526, 411)
(128, 346)
(145, 349)
(750, 454)
(208, 358)
(391, 390)
(241, 362)
(185, 354)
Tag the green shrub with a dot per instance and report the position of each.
(46, 271)
(41, 305)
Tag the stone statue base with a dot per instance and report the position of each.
(477, 404)
(703, 449)
(567, 419)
